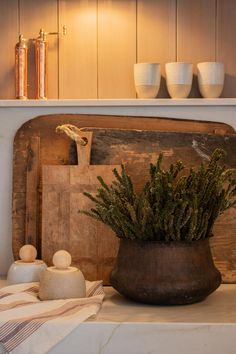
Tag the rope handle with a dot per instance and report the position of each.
(73, 132)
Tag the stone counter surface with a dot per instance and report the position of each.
(126, 327)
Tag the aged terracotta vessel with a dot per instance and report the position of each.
(174, 273)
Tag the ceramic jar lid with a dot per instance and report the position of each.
(28, 253)
(62, 281)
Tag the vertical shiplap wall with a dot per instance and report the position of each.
(116, 26)
(156, 34)
(196, 35)
(226, 43)
(106, 37)
(78, 49)
(9, 20)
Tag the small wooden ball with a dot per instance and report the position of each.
(28, 253)
(61, 259)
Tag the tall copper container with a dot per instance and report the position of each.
(41, 57)
(21, 79)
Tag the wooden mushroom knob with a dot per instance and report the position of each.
(61, 259)
(28, 253)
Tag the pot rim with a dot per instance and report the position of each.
(168, 243)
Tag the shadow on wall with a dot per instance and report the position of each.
(163, 93)
(9, 81)
(229, 85)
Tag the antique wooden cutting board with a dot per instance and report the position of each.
(134, 140)
(92, 245)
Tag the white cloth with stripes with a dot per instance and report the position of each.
(31, 326)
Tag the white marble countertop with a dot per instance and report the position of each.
(126, 327)
(218, 308)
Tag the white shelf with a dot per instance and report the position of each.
(165, 102)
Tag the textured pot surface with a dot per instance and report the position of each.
(174, 273)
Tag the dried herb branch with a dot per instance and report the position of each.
(169, 207)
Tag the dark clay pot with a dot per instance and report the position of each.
(174, 273)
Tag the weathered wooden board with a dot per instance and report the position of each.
(64, 227)
(122, 142)
(32, 223)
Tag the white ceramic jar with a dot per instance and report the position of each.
(62, 281)
(25, 272)
(210, 79)
(147, 78)
(28, 269)
(62, 284)
(179, 76)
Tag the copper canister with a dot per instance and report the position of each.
(41, 57)
(21, 53)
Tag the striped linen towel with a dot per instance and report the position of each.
(31, 326)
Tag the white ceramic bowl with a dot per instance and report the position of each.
(22, 272)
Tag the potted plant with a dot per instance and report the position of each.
(164, 230)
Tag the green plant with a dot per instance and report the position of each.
(171, 206)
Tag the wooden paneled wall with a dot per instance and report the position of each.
(106, 37)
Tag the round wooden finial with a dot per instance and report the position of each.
(61, 259)
(28, 253)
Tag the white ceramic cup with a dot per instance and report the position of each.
(147, 78)
(210, 79)
(179, 77)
